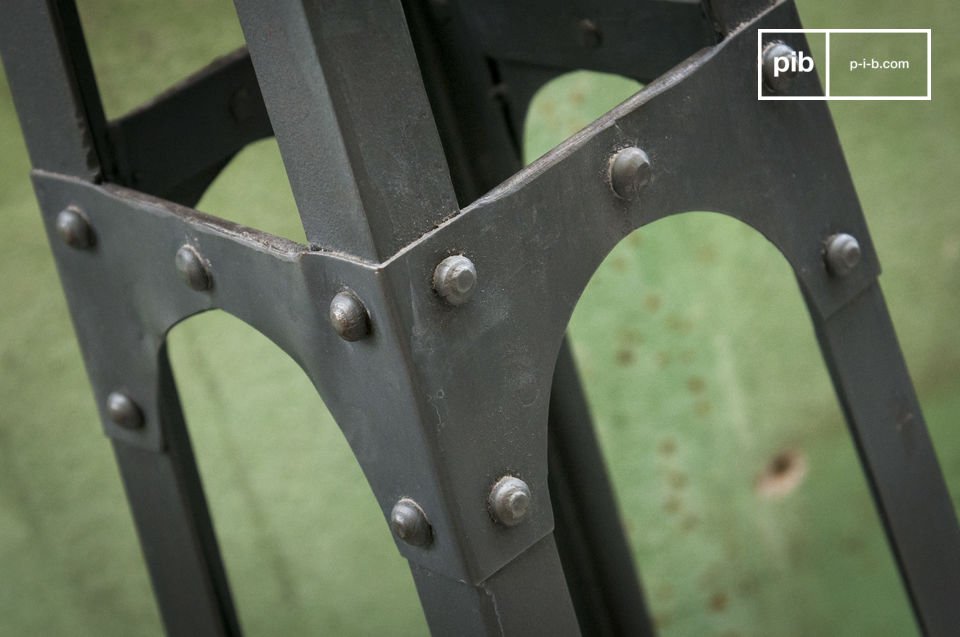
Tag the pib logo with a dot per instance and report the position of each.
(781, 63)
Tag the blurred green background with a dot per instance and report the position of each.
(740, 490)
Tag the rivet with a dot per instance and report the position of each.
(778, 82)
(74, 228)
(410, 524)
(123, 411)
(349, 317)
(455, 279)
(842, 254)
(629, 172)
(509, 500)
(193, 269)
(590, 36)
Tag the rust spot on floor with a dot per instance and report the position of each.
(677, 479)
(679, 324)
(652, 302)
(631, 336)
(635, 239)
(706, 254)
(624, 356)
(668, 446)
(718, 602)
(619, 264)
(663, 359)
(783, 474)
(664, 592)
(853, 544)
(702, 407)
(689, 523)
(687, 356)
(672, 504)
(696, 384)
(662, 620)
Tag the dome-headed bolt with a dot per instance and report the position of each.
(455, 279)
(410, 524)
(509, 500)
(590, 36)
(74, 228)
(123, 411)
(629, 172)
(842, 254)
(779, 66)
(193, 269)
(349, 317)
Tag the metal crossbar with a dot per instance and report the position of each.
(430, 306)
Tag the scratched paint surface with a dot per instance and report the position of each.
(737, 481)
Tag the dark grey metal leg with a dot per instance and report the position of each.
(166, 497)
(66, 133)
(596, 555)
(871, 379)
(516, 600)
(481, 150)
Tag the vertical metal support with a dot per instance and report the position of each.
(65, 131)
(594, 549)
(342, 84)
(179, 545)
(344, 93)
(870, 376)
(61, 116)
(521, 599)
(482, 149)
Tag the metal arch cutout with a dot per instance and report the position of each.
(440, 401)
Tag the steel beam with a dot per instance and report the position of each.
(344, 93)
(61, 116)
(177, 143)
(887, 425)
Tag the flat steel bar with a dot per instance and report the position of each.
(640, 39)
(191, 130)
(353, 121)
(520, 599)
(166, 497)
(871, 379)
(593, 546)
(61, 116)
(729, 15)
(481, 147)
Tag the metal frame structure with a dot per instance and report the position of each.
(398, 125)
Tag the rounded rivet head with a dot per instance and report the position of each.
(509, 500)
(123, 411)
(842, 254)
(193, 269)
(410, 524)
(349, 317)
(590, 36)
(74, 229)
(629, 172)
(778, 81)
(455, 279)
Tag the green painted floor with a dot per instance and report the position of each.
(738, 483)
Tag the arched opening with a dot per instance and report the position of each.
(738, 483)
(567, 104)
(253, 190)
(304, 542)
